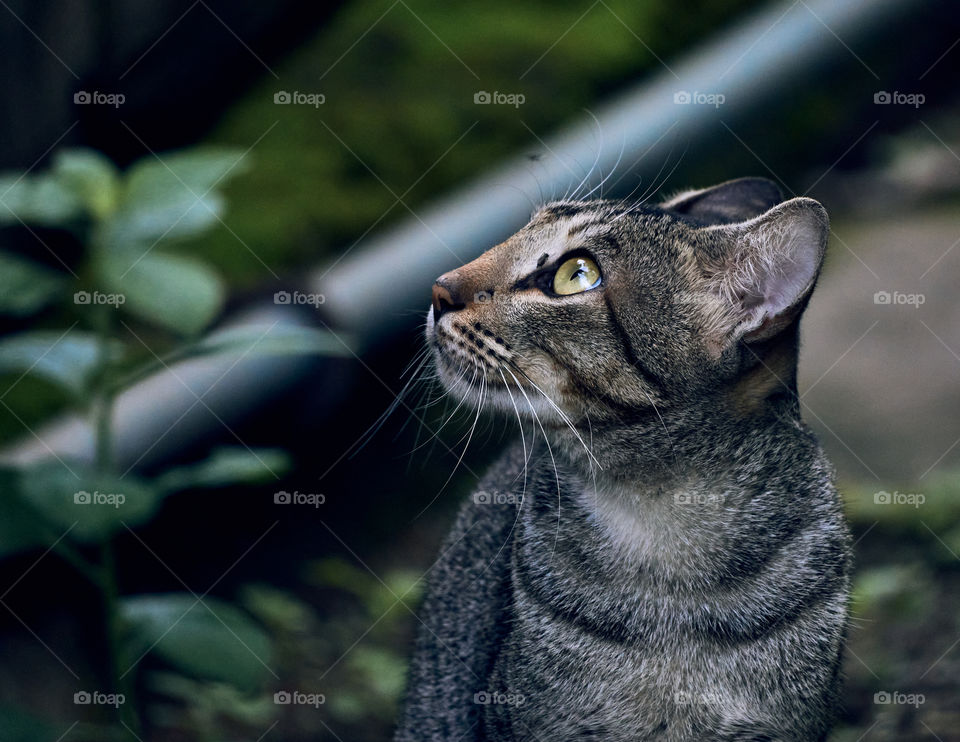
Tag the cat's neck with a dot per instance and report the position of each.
(670, 448)
(699, 438)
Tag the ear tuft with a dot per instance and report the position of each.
(769, 268)
(729, 202)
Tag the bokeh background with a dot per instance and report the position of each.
(219, 223)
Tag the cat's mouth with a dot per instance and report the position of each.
(472, 352)
(478, 366)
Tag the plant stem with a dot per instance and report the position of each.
(103, 401)
(127, 711)
(90, 571)
(103, 455)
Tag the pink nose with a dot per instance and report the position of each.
(445, 300)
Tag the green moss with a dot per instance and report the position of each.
(403, 94)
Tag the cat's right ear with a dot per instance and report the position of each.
(760, 272)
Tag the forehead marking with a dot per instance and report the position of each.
(585, 225)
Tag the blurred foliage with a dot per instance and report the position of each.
(319, 652)
(74, 508)
(905, 593)
(399, 118)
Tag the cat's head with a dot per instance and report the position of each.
(607, 308)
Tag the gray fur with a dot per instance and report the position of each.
(669, 561)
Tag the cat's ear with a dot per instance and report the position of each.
(764, 270)
(733, 201)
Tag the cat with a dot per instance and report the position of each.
(667, 557)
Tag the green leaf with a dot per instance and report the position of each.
(135, 227)
(72, 496)
(21, 527)
(214, 699)
(273, 339)
(91, 177)
(69, 358)
(26, 287)
(210, 640)
(172, 197)
(37, 199)
(197, 171)
(178, 293)
(227, 466)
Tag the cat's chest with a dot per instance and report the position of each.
(607, 689)
(632, 537)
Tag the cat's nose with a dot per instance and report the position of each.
(445, 300)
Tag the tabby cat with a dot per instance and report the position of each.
(666, 558)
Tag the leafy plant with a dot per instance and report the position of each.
(130, 222)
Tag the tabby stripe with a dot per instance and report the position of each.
(628, 350)
(611, 629)
(577, 228)
(556, 213)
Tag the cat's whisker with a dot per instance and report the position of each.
(523, 492)
(523, 441)
(593, 473)
(596, 160)
(368, 434)
(420, 410)
(673, 448)
(599, 186)
(654, 186)
(420, 387)
(465, 447)
(546, 440)
(561, 413)
(417, 361)
(448, 418)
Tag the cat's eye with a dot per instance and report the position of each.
(576, 275)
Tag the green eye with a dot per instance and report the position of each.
(576, 275)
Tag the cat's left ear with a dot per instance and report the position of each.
(733, 201)
(765, 270)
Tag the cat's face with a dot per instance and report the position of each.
(599, 308)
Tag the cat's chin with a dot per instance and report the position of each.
(488, 394)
